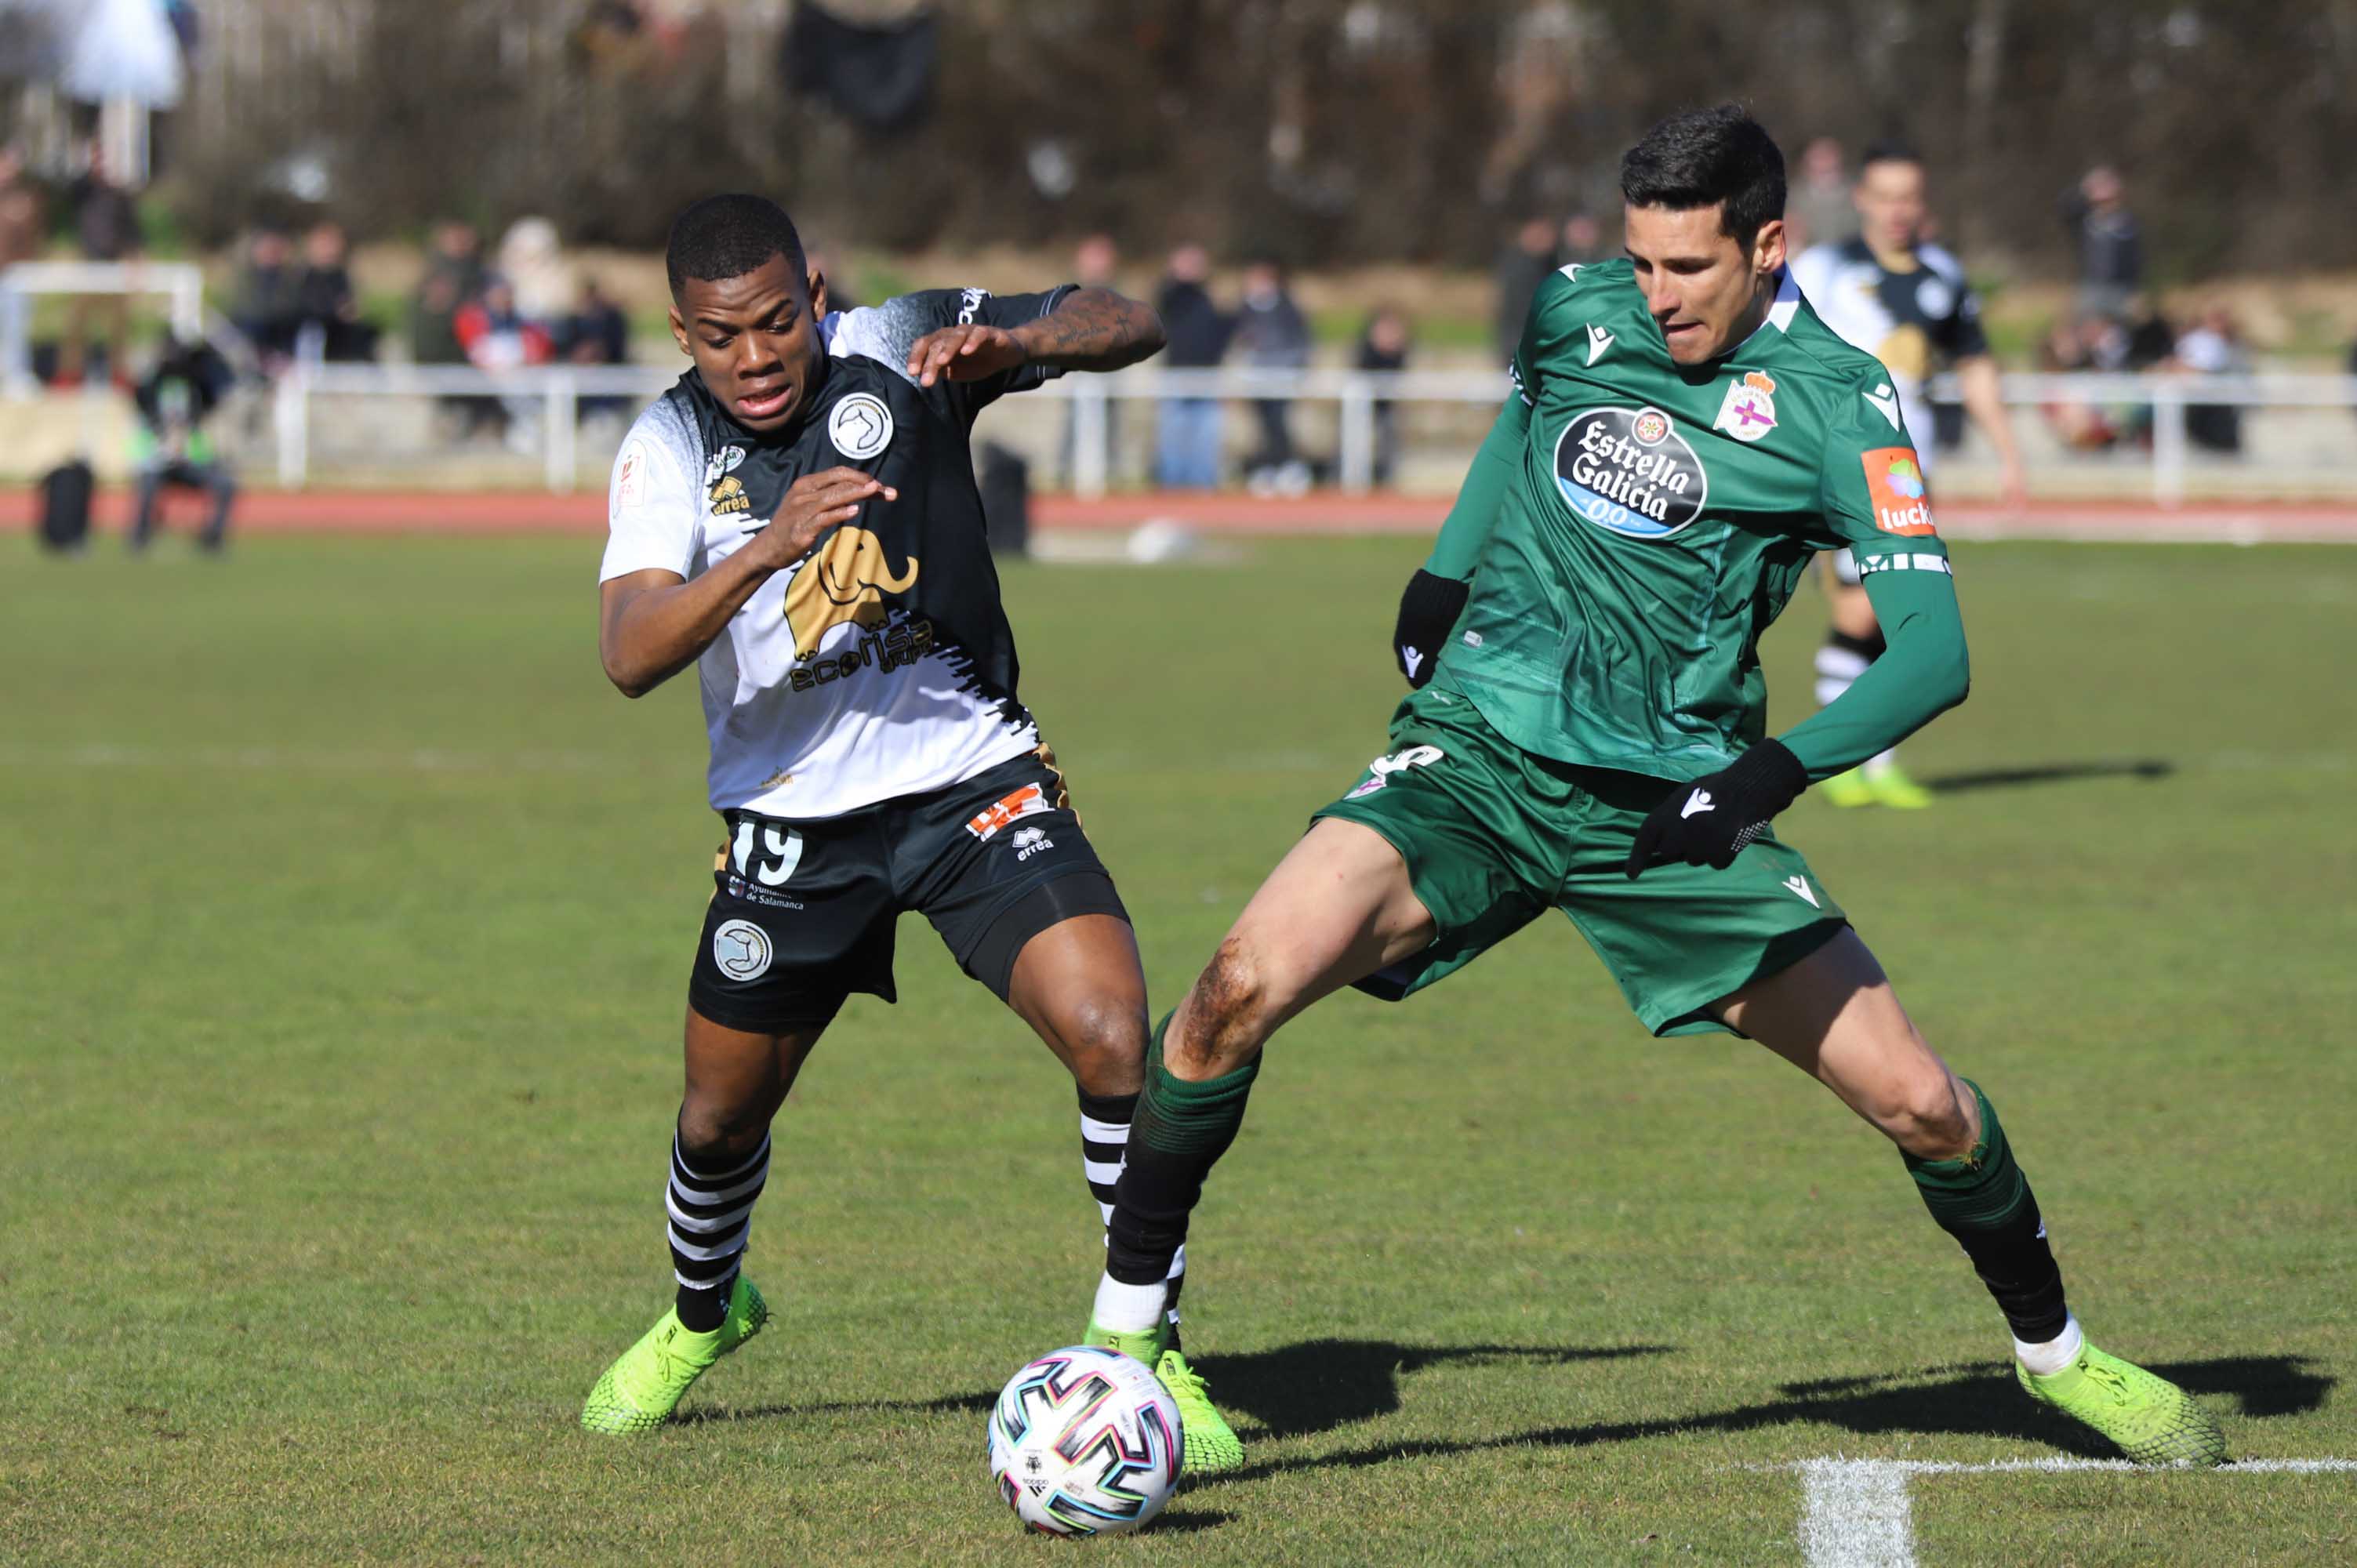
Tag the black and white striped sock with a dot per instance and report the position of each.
(1105, 1140)
(1842, 660)
(711, 1210)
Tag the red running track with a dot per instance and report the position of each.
(537, 511)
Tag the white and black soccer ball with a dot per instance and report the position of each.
(1085, 1442)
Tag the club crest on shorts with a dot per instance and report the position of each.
(741, 950)
(860, 427)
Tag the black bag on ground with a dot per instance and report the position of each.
(1006, 485)
(65, 505)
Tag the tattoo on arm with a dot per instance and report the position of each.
(1093, 329)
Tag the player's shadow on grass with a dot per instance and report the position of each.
(1320, 1384)
(2149, 767)
(1976, 1399)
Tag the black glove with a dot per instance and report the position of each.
(1709, 821)
(1428, 612)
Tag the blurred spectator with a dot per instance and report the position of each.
(2070, 346)
(497, 336)
(1818, 210)
(1521, 267)
(267, 307)
(2213, 346)
(596, 333)
(1094, 264)
(1272, 334)
(533, 263)
(2111, 248)
(171, 448)
(2148, 339)
(325, 302)
(453, 276)
(1385, 344)
(1187, 445)
(106, 227)
(1583, 240)
(20, 241)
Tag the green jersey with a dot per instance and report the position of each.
(1640, 524)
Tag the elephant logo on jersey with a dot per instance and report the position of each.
(844, 582)
(1629, 471)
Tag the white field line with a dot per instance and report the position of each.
(1854, 1512)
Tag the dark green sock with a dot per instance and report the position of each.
(1984, 1202)
(1182, 1129)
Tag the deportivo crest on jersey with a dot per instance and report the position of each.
(1629, 471)
(860, 427)
(1748, 411)
(1894, 481)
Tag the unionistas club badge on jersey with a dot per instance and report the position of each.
(1749, 411)
(1629, 471)
(860, 427)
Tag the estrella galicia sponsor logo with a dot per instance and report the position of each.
(1629, 471)
(741, 950)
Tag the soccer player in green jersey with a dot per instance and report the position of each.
(1587, 733)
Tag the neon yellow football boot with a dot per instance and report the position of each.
(641, 1389)
(2151, 1420)
(1888, 784)
(1848, 789)
(1210, 1444)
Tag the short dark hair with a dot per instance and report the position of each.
(1707, 158)
(729, 236)
(1888, 150)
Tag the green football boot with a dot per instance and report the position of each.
(1848, 789)
(2151, 1420)
(1211, 1445)
(640, 1390)
(1889, 786)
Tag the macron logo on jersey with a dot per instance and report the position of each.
(1885, 402)
(1598, 340)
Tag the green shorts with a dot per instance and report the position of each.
(1493, 835)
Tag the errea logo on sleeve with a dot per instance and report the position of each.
(1895, 490)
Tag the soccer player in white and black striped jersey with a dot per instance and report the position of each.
(798, 520)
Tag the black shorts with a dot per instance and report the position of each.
(802, 913)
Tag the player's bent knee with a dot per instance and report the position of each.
(1924, 1116)
(1227, 1014)
(1104, 1039)
(712, 1132)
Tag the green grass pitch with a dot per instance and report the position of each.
(345, 915)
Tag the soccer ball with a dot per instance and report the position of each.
(1085, 1441)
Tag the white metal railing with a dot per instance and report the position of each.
(182, 283)
(560, 388)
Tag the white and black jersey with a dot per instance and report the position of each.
(881, 665)
(1914, 317)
